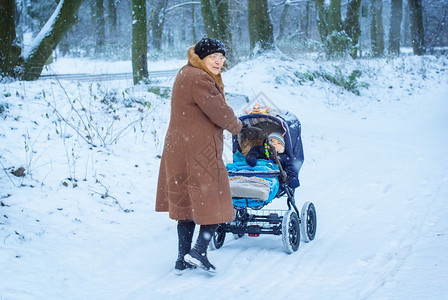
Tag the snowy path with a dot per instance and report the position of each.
(376, 171)
(372, 220)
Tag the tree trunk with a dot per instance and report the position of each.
(100, 29)
(307, 20)
(112, 18)
(352, 25)
(193, 25)
(396, 16)
(337, 42)
(334, 16)
(331, 28)
(210, 17)
(9, 49)
(283, 21)
(19, 20)
(321, 20)
(216, 17)
(182, 33)
(139, 45)
(373, 28)
(380, 27)
(407, 40)
(376, 28)
(63, 18)
(157, 21)
(261, 33)
(417, 29)
(225, 34)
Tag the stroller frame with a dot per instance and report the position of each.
(291, 224)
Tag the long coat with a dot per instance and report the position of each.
(193, 181)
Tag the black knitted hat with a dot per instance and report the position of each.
(208, 46)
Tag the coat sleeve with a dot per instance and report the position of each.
(254, 154)
(207, 96)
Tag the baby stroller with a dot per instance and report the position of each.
(250, 216)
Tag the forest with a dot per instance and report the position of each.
(35, 32)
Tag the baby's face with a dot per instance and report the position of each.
(277, 145)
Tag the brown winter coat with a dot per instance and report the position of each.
(193, 181)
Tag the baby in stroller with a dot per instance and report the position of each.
(262, 168)
(278, 142)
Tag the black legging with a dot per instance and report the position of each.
(185, 230)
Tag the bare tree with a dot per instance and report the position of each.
(261, 31)
(216, 17)
(30, 64)
(352, 26)
(63, 18)
(417, 29)
(307, 19)
(283, 20)
(139, 45)
(338, 37)
(193, 25)
(157, 20)
(376, 27)
(10, 50)
(396, 15)
(112, 16)
(100, 26)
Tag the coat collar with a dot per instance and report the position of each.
(195, 61)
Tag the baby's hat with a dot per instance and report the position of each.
(277, 135)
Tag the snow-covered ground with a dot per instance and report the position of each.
(81, 223)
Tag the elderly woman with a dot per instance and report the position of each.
(193, 182)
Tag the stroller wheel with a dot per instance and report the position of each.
(218, 238)
(291, 231)
(309, 222)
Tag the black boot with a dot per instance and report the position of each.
(198, 255)
(185, 230)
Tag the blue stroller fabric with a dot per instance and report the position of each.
(263, 169)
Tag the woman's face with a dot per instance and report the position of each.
(214, 62)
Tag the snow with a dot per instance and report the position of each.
(376, 168)
(88, 66)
